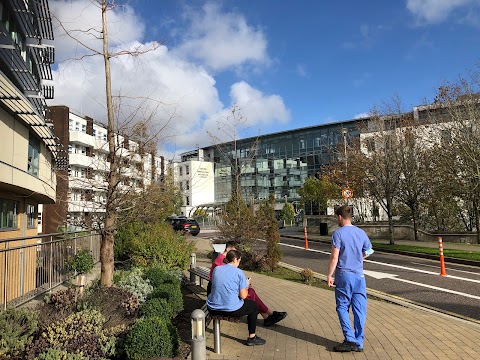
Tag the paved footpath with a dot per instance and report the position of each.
(311, 328)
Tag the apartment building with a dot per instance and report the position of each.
(82, 191)
(29, 151)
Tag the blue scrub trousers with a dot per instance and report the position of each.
(351, 289)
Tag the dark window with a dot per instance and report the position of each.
(33, 155)
(8, 214)
(31, 215)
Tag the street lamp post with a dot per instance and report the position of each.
(344, 132)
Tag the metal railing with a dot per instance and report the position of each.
(31, 266)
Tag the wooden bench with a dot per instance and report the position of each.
(204, 274)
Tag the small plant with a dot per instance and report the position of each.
(149, 337)
(57, 354)
(16, 329)
(133, 281)
(81, 332)
(64, 300)
(81, 263)
(307, 275)
(158, 275)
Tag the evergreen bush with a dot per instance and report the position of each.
(149, 337)
(81, 263)
(16, 331)
(157, 307)
(172, 293)
(158, 275)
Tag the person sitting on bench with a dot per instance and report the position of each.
(228, 296)
(269, 317)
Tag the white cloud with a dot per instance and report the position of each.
(436, 11)
(123, 27)
(362, 115)
(183, 97)
(223, 40)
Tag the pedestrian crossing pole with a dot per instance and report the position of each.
(442, 259)
(306, 237)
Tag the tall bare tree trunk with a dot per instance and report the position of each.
(106, 250)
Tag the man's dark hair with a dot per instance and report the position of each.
(344, 211)
(232, 255)
(231, 244)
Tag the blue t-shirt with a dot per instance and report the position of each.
(352, 243)
(227, 281)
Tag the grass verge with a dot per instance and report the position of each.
(459, 254)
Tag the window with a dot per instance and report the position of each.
(70, 125)
(94, 132)
(187, 184)
(31, 215)
(302, 144)
(105, 136)
(33, 155)
(69, 148)
(180, 171)
(77, 126)
(187, 169)
(187, 200)
(8, 214)
(84, 128)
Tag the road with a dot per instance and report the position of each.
(407, 277)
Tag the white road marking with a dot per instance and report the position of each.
(448, 268)
(391, 265)
(380, 275)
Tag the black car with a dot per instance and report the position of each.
(184, 224)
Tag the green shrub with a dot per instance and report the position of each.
(172, 293)
(157, 307)
(159, 244)
(149, 337)
(158, 275)
(81, 332)
(16, 329)
(133, 281)
(81, 263)
(57, 354)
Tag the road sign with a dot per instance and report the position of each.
(347, 193)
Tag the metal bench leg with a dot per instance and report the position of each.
(216, 336)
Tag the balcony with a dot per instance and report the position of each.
(79, 137)
(80, 160)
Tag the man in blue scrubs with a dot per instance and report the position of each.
(350, 245)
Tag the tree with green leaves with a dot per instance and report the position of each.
(288, 213)
(319, 191)
(268, 225)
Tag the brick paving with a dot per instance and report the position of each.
(311, 328)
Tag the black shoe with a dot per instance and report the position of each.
(274, 318)
(347, 346)
(255, 341)
(280, 313)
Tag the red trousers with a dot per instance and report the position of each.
(252, 295)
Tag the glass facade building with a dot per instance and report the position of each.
(276, 163)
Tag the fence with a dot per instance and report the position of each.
(31, 266)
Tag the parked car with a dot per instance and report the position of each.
(184, 224)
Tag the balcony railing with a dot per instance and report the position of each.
(31, 266)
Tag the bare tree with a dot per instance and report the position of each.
(379, 159)
(456, 113)
(123, 121)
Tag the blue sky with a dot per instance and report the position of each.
(286, 64)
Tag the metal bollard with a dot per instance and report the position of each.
(193, 263)
(199, 344)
